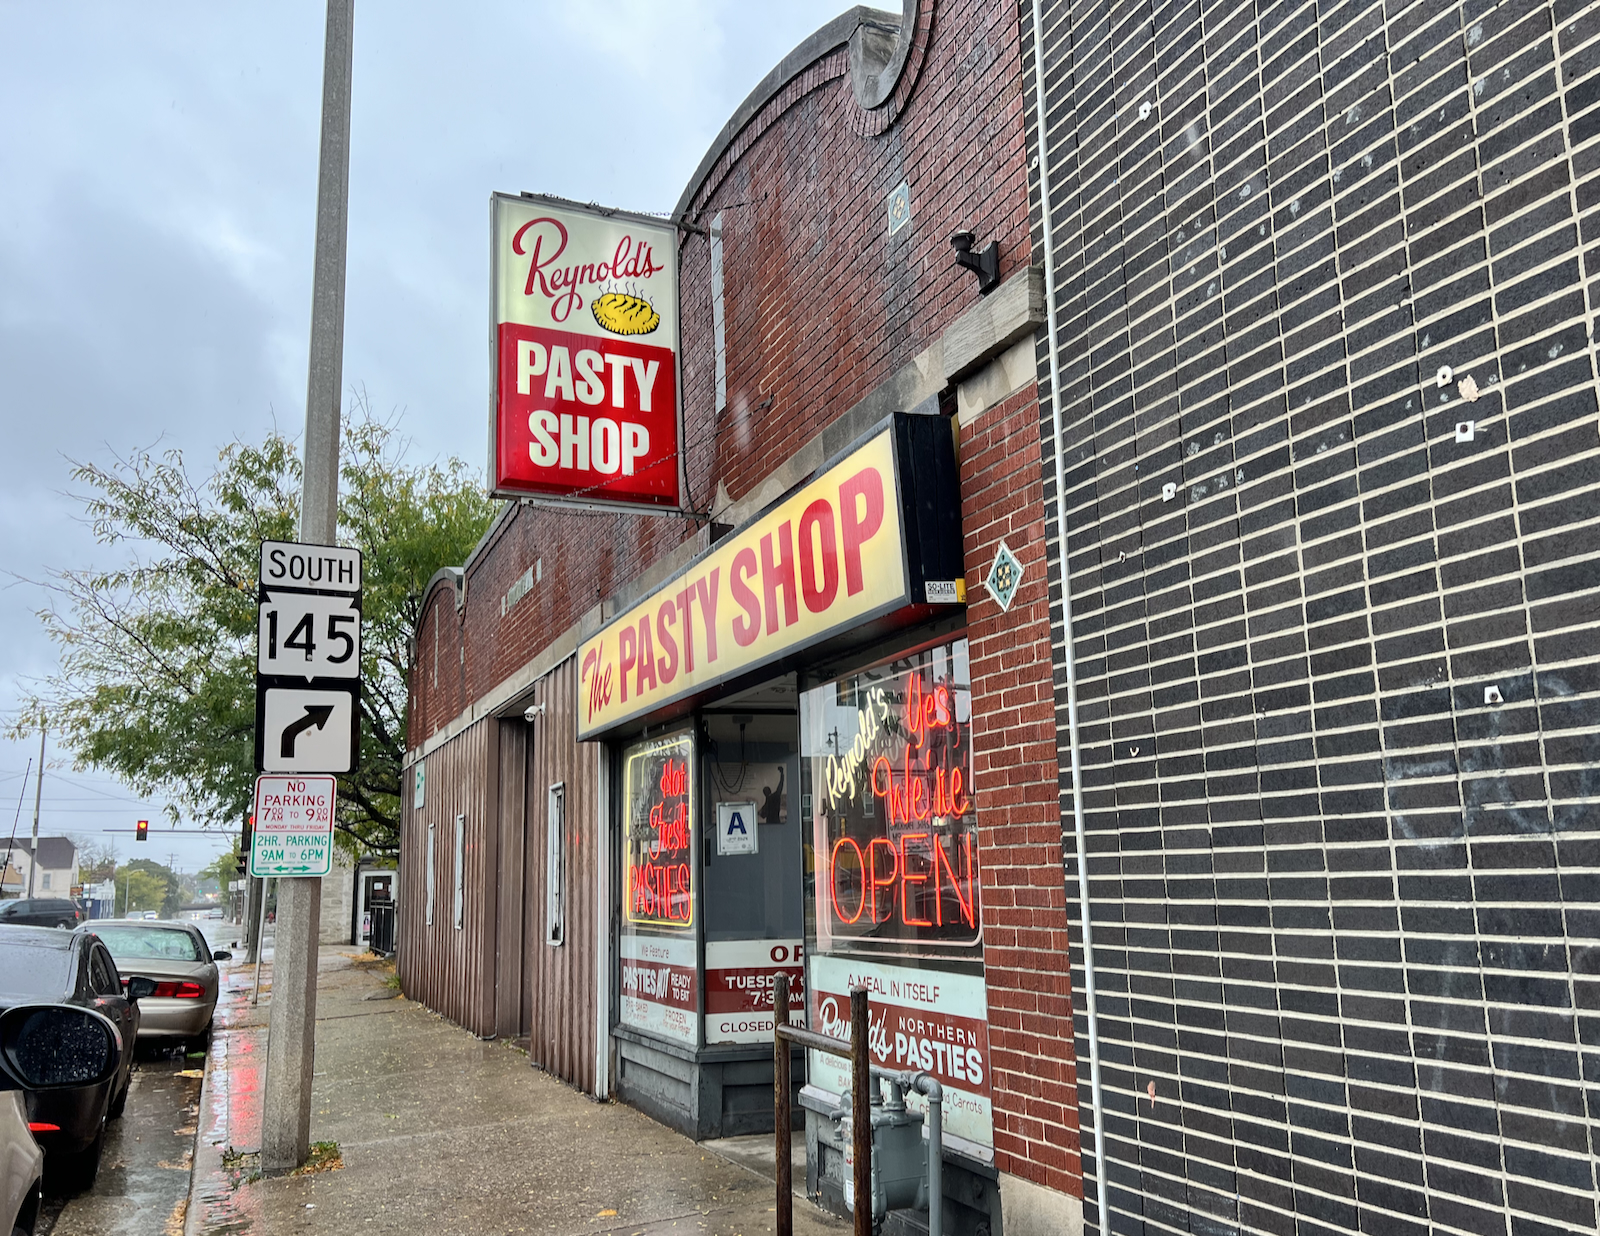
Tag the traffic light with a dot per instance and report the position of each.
(142, 833)
(244, 846)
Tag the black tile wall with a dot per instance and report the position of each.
(1327, 275)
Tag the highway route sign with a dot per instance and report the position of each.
(294, 826)
(308, 659)
(305, 635)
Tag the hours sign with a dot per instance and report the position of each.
(294, 826)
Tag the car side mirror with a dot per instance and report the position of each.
(221, 954)
(54, 1046)
(139, 987)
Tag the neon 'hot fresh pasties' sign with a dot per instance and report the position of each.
(659, 831)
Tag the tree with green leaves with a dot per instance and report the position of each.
(156, 681)
(216, 875)
(138, 888)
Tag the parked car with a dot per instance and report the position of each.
(183, 966)
(41, 912)
(21, 1162)
(32, 1062)
(40, 966)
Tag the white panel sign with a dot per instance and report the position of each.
(316, 568)
(308, 636)
(294, 826)
(736, 829)
(308, 730)
(658, 986)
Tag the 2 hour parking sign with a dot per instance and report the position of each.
(308, 658)
(293, 834)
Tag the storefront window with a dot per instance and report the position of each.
(888, 757)
(659, 833)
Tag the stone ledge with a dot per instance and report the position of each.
(1011, 312)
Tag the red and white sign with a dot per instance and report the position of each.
(586, 399)
(658, 986)
(932, 1021)
(739, 983)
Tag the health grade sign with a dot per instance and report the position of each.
(585, 375)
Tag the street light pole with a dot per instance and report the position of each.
(291, 1034)
(38, 793)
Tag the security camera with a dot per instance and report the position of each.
(532, 711)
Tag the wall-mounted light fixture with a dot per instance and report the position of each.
(985, 264)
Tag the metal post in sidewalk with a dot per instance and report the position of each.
(286, 1103)
(857, 1051)
(782, 1115)
(261, 941)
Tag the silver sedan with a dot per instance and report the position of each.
(183, 966)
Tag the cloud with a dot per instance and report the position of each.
(157, 206)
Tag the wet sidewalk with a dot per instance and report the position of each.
(440, 1133)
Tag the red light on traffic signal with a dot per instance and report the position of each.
(142, 833)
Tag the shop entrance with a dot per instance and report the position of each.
(713, 883)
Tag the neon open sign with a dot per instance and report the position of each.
(894, 808)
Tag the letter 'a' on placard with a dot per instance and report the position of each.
(586, 404)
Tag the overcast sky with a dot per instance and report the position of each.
(158, 167)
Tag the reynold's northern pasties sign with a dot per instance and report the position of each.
(585, 345)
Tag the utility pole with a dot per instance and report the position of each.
(291, 1032)
(38, 793)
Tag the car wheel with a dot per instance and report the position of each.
(75, 1173)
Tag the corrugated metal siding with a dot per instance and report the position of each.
(451, 969)
(496, 975)
(558, 981)
(512, 789)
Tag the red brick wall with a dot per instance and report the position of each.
(822, 305)
(1033, 1072)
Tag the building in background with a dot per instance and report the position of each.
(1327, 455)
(57, 874)
(655, 761)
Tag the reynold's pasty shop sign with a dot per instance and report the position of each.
(875, 535)
(585, 372)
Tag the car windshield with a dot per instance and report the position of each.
(34, 971)
(160, 942)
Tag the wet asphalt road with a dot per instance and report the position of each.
(143, 1185)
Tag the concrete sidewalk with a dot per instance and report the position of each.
(442, 1134)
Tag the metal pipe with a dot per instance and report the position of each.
(815, 1041)
(782, 1118)
(929, 1086)
(861, 1111)
(261, 939)
(1090, 995)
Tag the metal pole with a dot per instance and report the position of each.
(782, 1117)
(861, 1109)
(291, 1033)
(261, 940)
(1091, 998)
(38, 792)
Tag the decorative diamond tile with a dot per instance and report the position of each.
(1005, 576)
